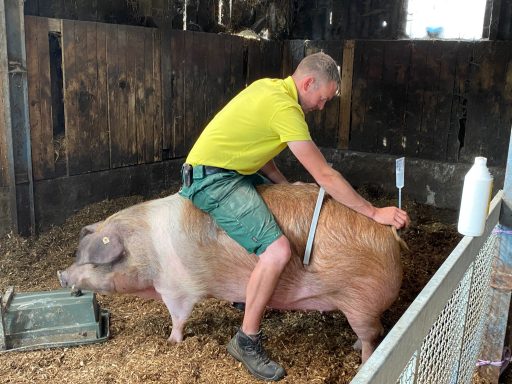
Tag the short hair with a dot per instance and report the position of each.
(323, 65)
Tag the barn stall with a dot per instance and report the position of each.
(102, 101)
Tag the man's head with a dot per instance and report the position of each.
(317, 79)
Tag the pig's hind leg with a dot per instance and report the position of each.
(369, 331)
(180, 309)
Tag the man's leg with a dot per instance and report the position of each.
(233, 202)
(246, 346)
(263, 281)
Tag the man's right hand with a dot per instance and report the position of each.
(392, 216)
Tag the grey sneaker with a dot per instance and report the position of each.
(251, 353)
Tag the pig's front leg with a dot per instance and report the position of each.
(180, 309)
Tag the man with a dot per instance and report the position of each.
(221, 172)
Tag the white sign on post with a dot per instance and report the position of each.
(400, 168)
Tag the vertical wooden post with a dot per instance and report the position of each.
(501, 285)
(19, 116)
(8, 218)
(346, 94)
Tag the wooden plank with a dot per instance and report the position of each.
(71, 88)
(432, 143)
(39, 93)
(292, 56)
(46, 124)
(225, 46)
(84, 100)
(458, 116)
(178, 92)
(217, 75)
(443, 56)
(255, 60)
(113, 94)
(88, 101)
(143, 136)
(196, 100)
(346, 94)
(165, 63)
(120, 135)
(101, 159)
(373, 128)
(190, 88)
(161, 133)
(148, 100)
(359, 86)
(55, 199)
(272, 65)
(503, 100)
(8, 212)
(130, 133)
(237, 68)
(483, 135)
(419, 79)
(394, 95)
(34, 95)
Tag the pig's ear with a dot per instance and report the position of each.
(87, 230)
(104, 249)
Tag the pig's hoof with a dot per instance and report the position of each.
(358, 346)
(174, 339)
(76, 291)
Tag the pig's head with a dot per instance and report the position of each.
(103, 262)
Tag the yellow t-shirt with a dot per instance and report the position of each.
(252, 128)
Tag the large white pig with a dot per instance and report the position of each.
(167, 249)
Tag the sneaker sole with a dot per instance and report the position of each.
(233, 352)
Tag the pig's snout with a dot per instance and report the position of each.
(62, 275)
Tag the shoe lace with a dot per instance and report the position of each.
(256, 349)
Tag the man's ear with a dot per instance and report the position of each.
(309, 81)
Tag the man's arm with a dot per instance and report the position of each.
(335, 185)
(273, 173)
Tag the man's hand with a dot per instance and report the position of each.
(392, 216)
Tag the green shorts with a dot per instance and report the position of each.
(235, 205)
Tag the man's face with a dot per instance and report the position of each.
(315, 93)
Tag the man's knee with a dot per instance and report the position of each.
(279, 252)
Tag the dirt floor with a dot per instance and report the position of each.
(314, 347)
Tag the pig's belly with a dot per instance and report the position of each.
(300, 298)
(312, 304)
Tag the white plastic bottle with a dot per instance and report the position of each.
(476, 195)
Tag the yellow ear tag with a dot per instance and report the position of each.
(106, 240)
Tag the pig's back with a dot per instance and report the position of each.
(350, 253)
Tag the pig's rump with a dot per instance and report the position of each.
(355, 261)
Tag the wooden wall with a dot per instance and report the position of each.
(439, 100)
(99, 103)
(113, 99)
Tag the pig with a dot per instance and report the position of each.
(167, 249)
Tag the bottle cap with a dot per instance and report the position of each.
(481, 160)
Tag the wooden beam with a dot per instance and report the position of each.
(346, 94)
(8, 214)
